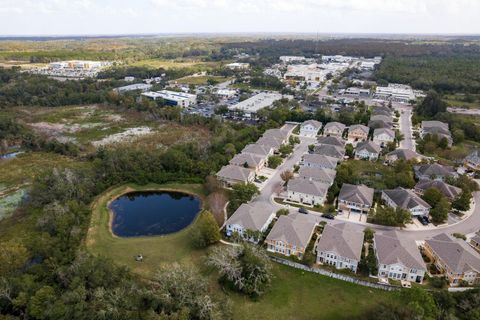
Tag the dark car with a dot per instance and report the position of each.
(303, 210)
(423, 220)
(328, 216)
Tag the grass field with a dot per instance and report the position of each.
(302, 295)
(458, 100)
(201, 80)
(174, 64)
(156, 250)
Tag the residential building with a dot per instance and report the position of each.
(270, 142)
(380, 121)
(259, 149)
(406, 199)
(330, 140)
(367, 150)
(230, 175)
(436, 128)
(449, 191)
(310, 128)
(323, 175)
(454, 258)
(330, 151)
(254, 217)
(250, 106)
(382, 110)
(398, 259)
(173, 98)
(358, 132)
(283, 134)
(132, 87)
(307, 191)
(319, 161)
(249, 160)
(383, 136)
(291, 234)
(340, 246)
(434, 171)
(334, 129)
(472, 161)
(403, 154)
(355, 198)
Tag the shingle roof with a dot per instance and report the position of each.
(258, 149)
(446, 189)
(334, 125)
(252, 160)
(405, 154)
(370, 146)
(474, 157)
(381, 117)
(434, 124)
(314, 123)
(334, 141)
(405, 199)
(386, 131)
(361, 127)
(357, 194)
(235, 173)
(294, 229)
(330, 151)
(278, 133)
(308, 187)
(319, 174)
(251, 216)
(455, 253)
(435, 170)
(270, 142)
(390, 250)
(344, 239)
(321, 160)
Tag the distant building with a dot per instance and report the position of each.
(226, 93)
(251, 105)
(238, 66)
(406, 199)
(129, 79)
(358, 92)
(132, 87)
(173, 98)
(355, 198)
(288, 59)
(396, 93)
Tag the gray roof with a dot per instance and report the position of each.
(278, 133)
(257, 149)
(361, 127)
(455, 253)
(308, 187)
(382, 111)
(344, 239)
(321, 160)
(314, 123)
(381, 117)
(391, 250)
(334, 141)
(318, 174)
(235, 173)
(330, 151)
(405, 199)
(405, 154)
(434, 124)
(294, 229)
(474, 157)
(435, 169)
(251, 216)
(357, 194)
(370, 146)
(334, 125)
(476, 238)
(446, 189)
(270, 142)
(387, 131)
(252, 160)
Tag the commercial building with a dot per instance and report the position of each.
(173, 98)
(396, 93)
(259, 101)
(289, 59)
(238, 66)
(133, 87)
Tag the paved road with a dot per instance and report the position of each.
(475, 112)
(405, 122)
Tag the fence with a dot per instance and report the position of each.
(335, 275)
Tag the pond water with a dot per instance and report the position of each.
(10, 155)
(153, 213)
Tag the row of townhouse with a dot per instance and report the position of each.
(436, 128)
(244, 166)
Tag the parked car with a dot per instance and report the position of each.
(328, 216)
(303, 210)
(423, 220)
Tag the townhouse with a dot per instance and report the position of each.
(334, 129)
(449, 191)
(323, 175)
(291, 234)
(358, 133)
(436, 128)
(403, 154)
(248, 160)
(330, 151)
(367, 150)
(330, 140)
(472, 161)
(259, 149)
(406, 199)
(340, 246)
(380, 121)
(355, 198)
(250, 219)
(310, 128)
(319, 161)
(434, 171)
(398, 259)
(307, 191)
(459, 262)
(230, 175)
(383, 136)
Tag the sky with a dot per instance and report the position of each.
(103, 17)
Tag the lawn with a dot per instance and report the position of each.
(201, 80)
(157, 250)
(460, 101)
(174, 64)
(302, 295)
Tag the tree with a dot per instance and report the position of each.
(285, 150)
(282, 212)
(13, 256)
(439, 212)
(246, 267)
(432, 196)
(462, 203)
(349, 150)
(431, 105)
(241, 193)
(274, 161)
(205, 231)
(286, 176)
(389, 216)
